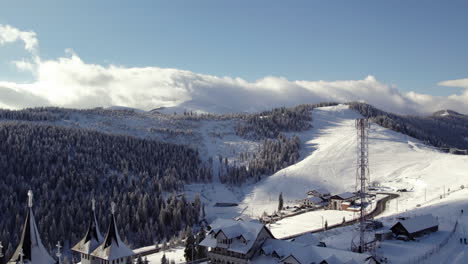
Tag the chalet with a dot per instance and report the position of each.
(313, 201)
(112, 250)
(416, 226)
(320, 192)
(30, 248)
(91, 241)
(234, 242)
(342, 201)
(288, 252)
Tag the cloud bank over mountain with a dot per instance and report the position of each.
(68, 81)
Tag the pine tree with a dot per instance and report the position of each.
(139, 260)
(280, 202)
(201, 251)
(164, 259)
(189, 252)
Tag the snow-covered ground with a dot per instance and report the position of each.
(176, 254)
(447, 210)
(328, 160)
(309, 221)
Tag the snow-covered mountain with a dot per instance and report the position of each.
(329, 161)
(234, 146)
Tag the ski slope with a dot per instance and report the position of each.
(329, 161)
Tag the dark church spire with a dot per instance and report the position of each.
(112, 248)
(30, 248)
(93, 237)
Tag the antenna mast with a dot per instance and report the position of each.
(362, 178)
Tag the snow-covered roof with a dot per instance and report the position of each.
(306, 239)
(232, 228)
(249, 230)
(418, 223)
(31, 245)
(333, 260)
(307, 254)
(112, 248)
(92, 239)
(343, 196)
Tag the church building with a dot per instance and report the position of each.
(30, 249)
(113, 250)
(92, 239)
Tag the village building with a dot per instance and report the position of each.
(30, 248)
(416, 226)
(320, 192)
(342, 201)
(313, 201)
(91, 241)
(234, 242)
(289, 252)
(113, 250)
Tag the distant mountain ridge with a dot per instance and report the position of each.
(443, 129)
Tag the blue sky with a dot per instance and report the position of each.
(410, 45)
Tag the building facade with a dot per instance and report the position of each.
(234, 242)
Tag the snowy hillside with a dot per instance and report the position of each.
(329, 158)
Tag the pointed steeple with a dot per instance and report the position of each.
(112, 248)
(93, 237)
(30, 249)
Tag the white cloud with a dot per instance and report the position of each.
(463, 83)
(9, 34)
(70, 82)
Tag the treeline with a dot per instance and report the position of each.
(445, 131)
(33, 114)
(277, 151)
(269, 124)
(65, 167)
(59, 113)
(274, 155)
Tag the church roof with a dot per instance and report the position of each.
(112, 247)
(93, 237)
(30, 245)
